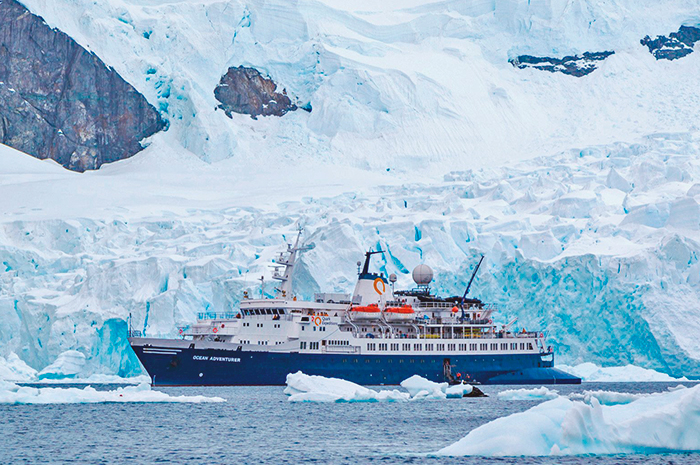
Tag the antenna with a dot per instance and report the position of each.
(471, 280)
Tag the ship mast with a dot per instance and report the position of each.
(284, 290)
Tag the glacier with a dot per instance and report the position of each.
(596, 246)
(657, 423)
(423, 140)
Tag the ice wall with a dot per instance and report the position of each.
(598, 247)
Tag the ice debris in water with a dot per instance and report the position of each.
(660, 422)
(11, 393)
(528, 394)
(309, 388)
(629, 373)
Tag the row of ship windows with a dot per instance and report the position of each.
(261, 343)
(264, 311)
(450, 347)
(261, 325)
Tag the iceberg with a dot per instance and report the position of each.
(528, 394)
(419, 387)
(311, 388)
(593, 373)
(11, 393)
(661, 422)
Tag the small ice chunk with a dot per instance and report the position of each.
(591, 372)
(606, 397)
(616, 181)
(308, 388)
(11, 393)
(459, 390)
(415, 384)
(540, 393)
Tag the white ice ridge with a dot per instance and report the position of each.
(312, 388)
(629, 373)
(663, 422)
(11, 393)
(528, 394)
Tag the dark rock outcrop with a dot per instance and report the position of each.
(59, 101)
(676, 45)
(574, 65)
(244, 90)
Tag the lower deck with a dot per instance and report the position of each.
(177, 362)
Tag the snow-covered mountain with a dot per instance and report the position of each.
(422, 138)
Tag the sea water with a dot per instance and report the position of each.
(258, 424)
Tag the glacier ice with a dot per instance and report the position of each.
(67, 365)
(311, 388)
(12, 394)
(662, 422)
(608, 291)
(590, 372)
(540, 393)
(13, 368)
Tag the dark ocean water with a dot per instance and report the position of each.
(258, 425)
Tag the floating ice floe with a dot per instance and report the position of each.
(607, 397)
(662, 422)
(540, 393)
(308, 388)
(593, 373)
(11, 393)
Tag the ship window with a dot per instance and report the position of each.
(345, 360)
(472, 346)
(268, 311)
(382, 346)
(394, 347)
(302, 345)
(378, 360)
(483, 347)
(441, 347)
(367, 361)
(529, 346)
(504, 346)
(400, 361)
(522, 346)
(494, 346)
(513, 346)
(450, 347)
(314, 328)
(303, 328)
(417, 347)
(428, 347)
(281, 311)
(357, 361)
(413, 361)
(406, 347)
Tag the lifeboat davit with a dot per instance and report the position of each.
(369, 312)
(403, 313)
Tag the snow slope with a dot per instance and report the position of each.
(394, 84)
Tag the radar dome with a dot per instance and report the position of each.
(422, 275)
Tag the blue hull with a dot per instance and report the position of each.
(216, 367)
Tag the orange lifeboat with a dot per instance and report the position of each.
(369, 312)
(403, 313)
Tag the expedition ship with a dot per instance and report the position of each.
(374, 336)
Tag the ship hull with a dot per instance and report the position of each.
(180, 363)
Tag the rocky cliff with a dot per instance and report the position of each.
(59, 101)
(245, 90)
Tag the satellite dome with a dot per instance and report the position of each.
(393, 278)
(422, 275)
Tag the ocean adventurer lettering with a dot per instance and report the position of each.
(216, 359)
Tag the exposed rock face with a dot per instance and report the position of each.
(676, 45)
(59, 101)
(573, 65)
(245, 90)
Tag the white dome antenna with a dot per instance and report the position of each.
(423, 275)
